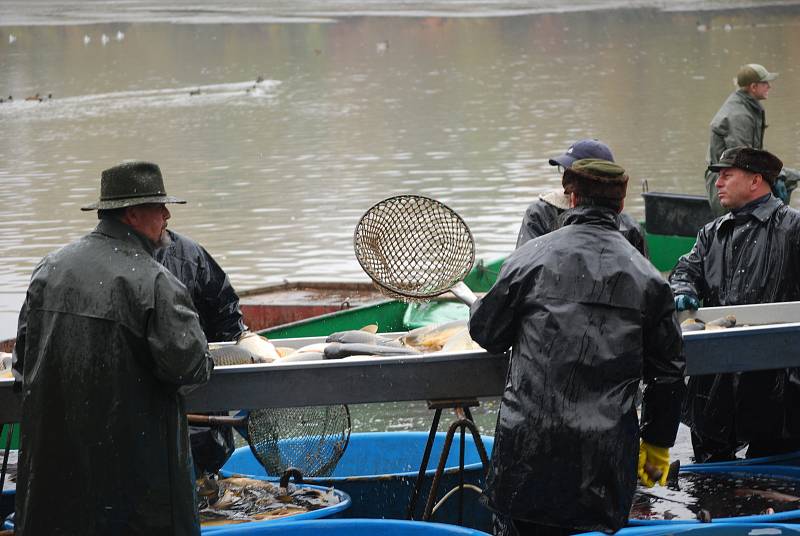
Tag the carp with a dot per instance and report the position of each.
(433, 338)
(231, 354)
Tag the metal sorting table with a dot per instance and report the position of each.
(766, 345)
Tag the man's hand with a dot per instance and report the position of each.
(780, 190)
(260, 347)
(685, 302)
(653, 464)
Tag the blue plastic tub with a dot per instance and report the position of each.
(378, 470)
(774, 471)
(329, 511)
(353, 527)
(708, 529)
(6, 503)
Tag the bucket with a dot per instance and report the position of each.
(353, 527)
(379, 469)
(772, 471)
(708, 529)
(329, 511)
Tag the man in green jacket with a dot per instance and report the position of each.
(741, 121)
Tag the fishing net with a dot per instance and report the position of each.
(311, 439)
(414, 248)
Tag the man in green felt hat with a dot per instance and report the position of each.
(108, 341)
(134, 187)
(586, 317)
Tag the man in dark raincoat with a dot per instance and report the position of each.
(221, 319)
(108, 341)
(750, 255)
(546, 213)
(587, 317)
(741, 121)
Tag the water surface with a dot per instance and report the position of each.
(357, 104)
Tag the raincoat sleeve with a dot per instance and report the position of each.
(176, 340)
(662, 371)
(492, 318)
(18, 353)
(218, 302)
(632, 232)
(687, 276)
(736, 130)
(537, 221)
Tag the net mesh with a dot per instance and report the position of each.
(413, 247)
(312, 438)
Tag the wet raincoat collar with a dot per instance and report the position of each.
(590, 214)
(761, 209)
(122, 231)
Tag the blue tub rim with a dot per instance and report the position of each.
(384, 476)
(671, 529)
(759, 519)
(322, 524)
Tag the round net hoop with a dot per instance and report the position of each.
(413, 247)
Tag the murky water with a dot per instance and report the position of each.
(357, 103)
(719, 494)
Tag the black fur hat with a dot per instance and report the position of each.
(749, 159)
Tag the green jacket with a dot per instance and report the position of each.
(740, 121)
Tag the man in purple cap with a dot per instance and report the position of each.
(544, 215)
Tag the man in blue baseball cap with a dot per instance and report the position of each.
(545, 214)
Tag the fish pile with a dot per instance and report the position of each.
(10, 483)
(695, 324)
(5, 365)
(707, 496)
(241, 500)
(447, 337)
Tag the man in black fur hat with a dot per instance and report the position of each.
(750, 255)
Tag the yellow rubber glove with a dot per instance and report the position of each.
(653, 464)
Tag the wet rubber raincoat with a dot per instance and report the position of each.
(746, 256)
(740, 121)
(541, 218)
(221, 319)
(586, 317)
(212, 293)
(107, 342)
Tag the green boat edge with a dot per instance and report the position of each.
(393, 315)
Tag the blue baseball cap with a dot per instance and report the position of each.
(589, 148)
